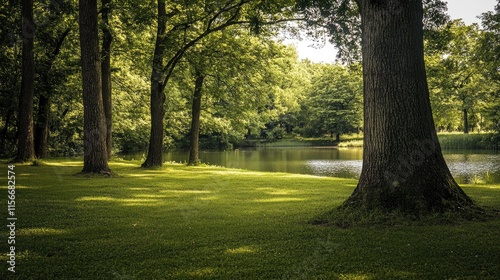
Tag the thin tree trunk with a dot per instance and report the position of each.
(5, 129)
(106, 73)
(466, 121)
(155, 157)
(94, 126)
(403, 167)
(42, 126)
(44, 100)
(195, 121)
(25, 143)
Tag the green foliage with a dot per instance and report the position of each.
(255, 89)
(457, 79)
(210, 222)
(334, 105)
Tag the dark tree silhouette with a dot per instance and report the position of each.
(26, 142)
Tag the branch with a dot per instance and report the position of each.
(169, 68)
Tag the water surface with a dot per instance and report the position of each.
(467, 166)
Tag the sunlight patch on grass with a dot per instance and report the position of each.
(150, 196)
(242, 250)
(139, 189)
(96, 198)
(353, 276)
(40, 231)
(22, 255)
(124, 202)
(275, 191)
(185, 191)
(139, 175)
(209, 198)
(279, 199)
(64, 163)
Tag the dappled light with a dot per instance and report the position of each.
(279, 199)
(205, 224)
(276, 191)
(41, 231)
(186, 191)
(243, 250)
(150, 202)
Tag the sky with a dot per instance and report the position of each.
(468, 10)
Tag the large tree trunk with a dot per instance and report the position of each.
(403, 167)
(106, 73)
(94, 126)
(25, 143)
(155, 157)
(42, 126)
(195, 121)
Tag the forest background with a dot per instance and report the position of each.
(251, 86)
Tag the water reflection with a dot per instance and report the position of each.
(336, 168)
(467, 166)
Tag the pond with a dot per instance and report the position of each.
(467, 166)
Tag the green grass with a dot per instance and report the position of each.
(466, 141)
(214, 223)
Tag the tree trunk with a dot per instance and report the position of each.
(44, 100)
(42, 126)
(195, 121)
(25, 143)
(5, 130)
(155, 157)
(403, 167)
(106, 73)
(337, 137)
(94, 126)
(466, 121)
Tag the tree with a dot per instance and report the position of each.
(107, 39)
(194, 133)
(490, 51)
(44, 99)
(25, 142)
(55, 24)
(456, 73)
(236, 71)
(178, 31)
(95, 153)
(334, 105)
(403, 167)
(10, 71)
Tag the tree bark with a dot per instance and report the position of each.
(403, 167)
(466, 121)
(195, 121)
(94, 126)
(106, 73)
(155, 150)
(26, 143)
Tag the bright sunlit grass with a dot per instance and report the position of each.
(182, 222)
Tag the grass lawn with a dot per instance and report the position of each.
(215, 223)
